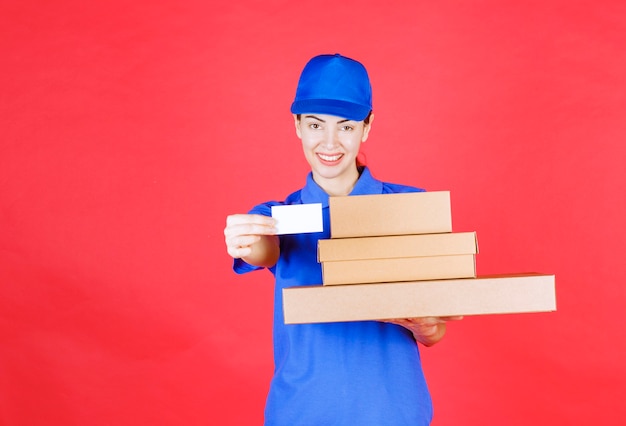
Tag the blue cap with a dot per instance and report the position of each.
(334, 85)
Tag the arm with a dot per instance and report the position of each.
(253, 238)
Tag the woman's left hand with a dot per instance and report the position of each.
(426, 330)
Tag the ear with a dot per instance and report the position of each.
(366, 128)
(297, 124)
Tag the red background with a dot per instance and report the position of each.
(129, 130)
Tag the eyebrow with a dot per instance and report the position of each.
(324, 121)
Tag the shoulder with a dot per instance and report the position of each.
(390, 188)
(368, 184)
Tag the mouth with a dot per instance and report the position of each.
(329, 158)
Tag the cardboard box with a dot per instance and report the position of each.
(398, 258)
(390, 214)
(398, 269)
(397, 246)
(470, 296)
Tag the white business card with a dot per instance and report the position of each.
(298, 218)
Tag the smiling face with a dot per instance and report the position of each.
(331, 145)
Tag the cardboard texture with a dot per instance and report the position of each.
(398, 269)
(388, 247)
(472, 296)
(390, 214)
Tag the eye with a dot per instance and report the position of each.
(314, 126)
(347, 128)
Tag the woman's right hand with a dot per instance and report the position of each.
(252, 236)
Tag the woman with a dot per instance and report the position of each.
(353, 373)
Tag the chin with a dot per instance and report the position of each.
(331, 172)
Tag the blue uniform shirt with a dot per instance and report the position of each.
(351, 373)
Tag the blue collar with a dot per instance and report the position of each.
(367, 184)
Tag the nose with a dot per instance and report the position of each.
(331, 139)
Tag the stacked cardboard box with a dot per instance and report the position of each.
(395, 237)
(479, 296)
(395, 256)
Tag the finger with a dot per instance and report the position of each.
(421, 320)
(242, 240)
(436, 320)
(425, 321)
(249, 229)
(239, 219)
(397, 321)
(452, 318)
(239, 252)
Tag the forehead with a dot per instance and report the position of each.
(326, 118)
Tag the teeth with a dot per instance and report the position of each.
(330, 157)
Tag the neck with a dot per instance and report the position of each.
(338, 186)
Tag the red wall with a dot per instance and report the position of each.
(129, 130)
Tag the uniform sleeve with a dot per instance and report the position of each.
(241, 267)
